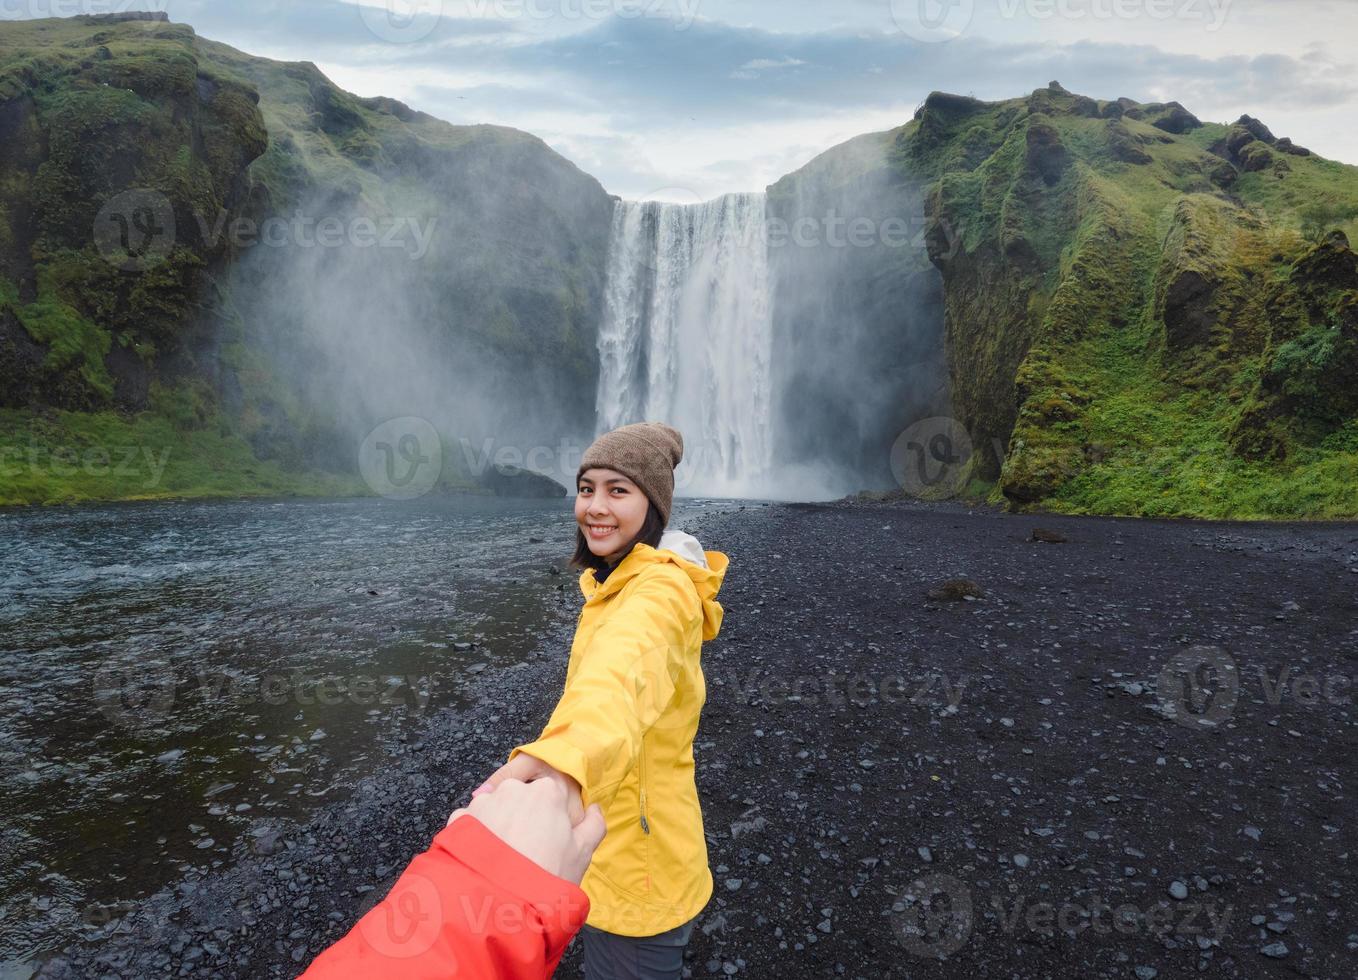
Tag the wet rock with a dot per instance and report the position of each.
(956, 590)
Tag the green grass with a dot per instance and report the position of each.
(73, 340)
(1116, 415)
(72, 457)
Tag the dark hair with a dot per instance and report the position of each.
(651, 530)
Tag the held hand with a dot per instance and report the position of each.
(532, 818)
(528, 769)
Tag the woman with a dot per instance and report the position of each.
(622, 733)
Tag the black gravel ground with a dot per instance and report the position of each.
(933, 747)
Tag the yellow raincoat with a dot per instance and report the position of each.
(624, 730)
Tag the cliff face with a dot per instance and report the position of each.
(112, 133)
(495, 283)
(1145, 313)
(857, 309)
(1140, 312)
(140, 169)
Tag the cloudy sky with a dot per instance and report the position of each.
(687, 99)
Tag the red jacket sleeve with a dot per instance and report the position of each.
(469, 907)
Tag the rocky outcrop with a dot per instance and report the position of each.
(1122, 303)
(132, 155)
(1250, 146)
(870, 312)
(1308, 387)
(116, 140)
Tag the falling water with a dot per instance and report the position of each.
(687, 335)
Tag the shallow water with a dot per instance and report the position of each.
(177, 677)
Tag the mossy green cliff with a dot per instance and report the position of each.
(1145, 313)
(1142, 313)
(130, 148)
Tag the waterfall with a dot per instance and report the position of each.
(687, 335)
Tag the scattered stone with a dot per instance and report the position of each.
(956, 590)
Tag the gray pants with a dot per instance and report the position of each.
(609, 956)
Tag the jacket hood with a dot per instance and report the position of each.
(706, 569)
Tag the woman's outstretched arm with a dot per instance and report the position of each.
(619, 689)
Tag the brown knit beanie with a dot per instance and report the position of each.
(644, 452)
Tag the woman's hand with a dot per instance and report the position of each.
(527, 768)
(532, 818)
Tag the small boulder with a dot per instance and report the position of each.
(1175, 119)
(956, 590)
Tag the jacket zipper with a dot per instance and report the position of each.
(641, 779)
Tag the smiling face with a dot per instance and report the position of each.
(610, 510)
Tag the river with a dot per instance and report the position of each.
(177, 678)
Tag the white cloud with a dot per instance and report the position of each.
(753, 67)
(753, 88)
